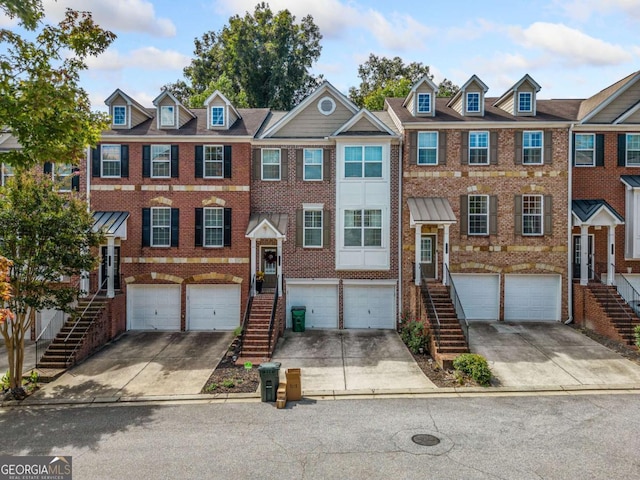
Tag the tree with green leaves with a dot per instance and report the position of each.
(382, 77)
(259, 60)
(28, 11)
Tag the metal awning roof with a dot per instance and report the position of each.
(277, 221)
(586, 210)
(632, 181)
(109, 222)
(434, 210)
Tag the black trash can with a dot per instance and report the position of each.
(297, 318)
(269, 381)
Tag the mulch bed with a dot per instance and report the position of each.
(231, 378)
(440, 377)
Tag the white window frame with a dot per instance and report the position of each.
(59, 176)
(487, 148)
(418, 103)
(592, 150)
(426, 254)
(471, 214)
(207, 150)
(363, 212)
(627, 149)
(305, 164)
(163, 117)
(124, 115)
(7, 172)
(262, 165)
(430, 148)
(539, 215)
(469, 96)
(526, 147)
(116, 148)
(155, 162)
(222, 117)
(306, 228)
(364, 162)
(522, 95)
(219, 211)
(154, 227)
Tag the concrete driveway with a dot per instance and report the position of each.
(548, 354)
(143, 363)
(353, 360)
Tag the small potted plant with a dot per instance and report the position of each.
(259, 280)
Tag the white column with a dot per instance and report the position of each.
(253, 264)
(84, 284)
(279, 266)
(445, 256)
(584, 254)
(418, 256)
(110, 267)
(611, 256)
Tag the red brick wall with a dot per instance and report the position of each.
(588, 313)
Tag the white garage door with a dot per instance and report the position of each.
(532, 297)
(153, 307)
(479, 294)
(321, 302)
(213, 307)
(370, 306)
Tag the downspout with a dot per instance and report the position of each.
(88, 178)
(399, 311)
(570, 228)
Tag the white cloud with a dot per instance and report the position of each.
(583, 9)
(401, 33)
(471, 30)
(571, 45)
(6, 22)
(117, 15)
(146, 58)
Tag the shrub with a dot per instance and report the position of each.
(475, 366)
(637, 331)
(414, 334)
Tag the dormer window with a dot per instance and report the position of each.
(424, 103)
(473, 102)
(167, 116)
(217, 116)
(119, 115)
(524, 101)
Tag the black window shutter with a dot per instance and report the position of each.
(146, 227)
(493, 148)
(573, 149)
(442, 148)
(599, 150)
(95, 161)
(326, 228)
(518, 148)
(146, 161)
(464, 148)
(175, 161)
(199, 161)
(299, 227)
(257, 164)
(548, 148)
(198, 232)
(48, 168)
(622, 149)
(464, 213)
(299, 165)
(284, 164)
(413, 148)
(75, 179)
(548, 215)
(124, 161)
(493, 215)
(517, 211)
(227, 161)
(227, 227)
(175, 226)
(326, 164)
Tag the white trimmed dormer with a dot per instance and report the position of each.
(520, 100)
(469, 101)
(125, 112)
(221, 114)
(171, 114)
(421, 101)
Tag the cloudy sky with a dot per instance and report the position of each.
(572, 48)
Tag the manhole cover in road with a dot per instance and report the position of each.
(425, 440)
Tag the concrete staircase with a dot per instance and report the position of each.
(56, 356)
(620, 315)
(255, 345)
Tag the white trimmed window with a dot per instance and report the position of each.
(160, 227)
(110, 161)
(585, 147)
(217, 116)
(312, 163)
(532, 214)
(426, 249)
(160, 161)
(7, 173)
(633, 149)
(313, 228)
(270, 164)
(478, 214)
(532, 144)
(424, 103)
(363, 228)
(167, 116)
(473, 102)
(62, 176)
(478, 148)
(525, 101)
(213, 156)
(213, 226)
(427, 148)
(119, 115)
(363, 162)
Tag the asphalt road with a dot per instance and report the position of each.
(517, 437)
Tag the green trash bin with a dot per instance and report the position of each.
(297, 318)
(269, 381)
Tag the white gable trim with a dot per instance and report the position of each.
(474, 78)
(364, 113)
(267, 225)
(413, 90)
(226, 101)
(516, 86)
(627, 114)
(179, 105)
(610, 99)
(130, 102)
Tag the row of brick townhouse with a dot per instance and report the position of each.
(348, 211)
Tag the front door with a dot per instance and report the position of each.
(576, 256)
(269, 265)
(428, 256)
(116, 269)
